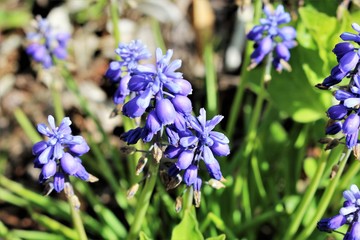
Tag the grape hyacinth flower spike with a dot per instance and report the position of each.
(120, 71)
(272, 39)
(45, 43)
(348, 215)
(345, 114)
(201, 143)
(59, 155)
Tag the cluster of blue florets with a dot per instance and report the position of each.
(269, 38)
(159, 92)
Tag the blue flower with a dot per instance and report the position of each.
(202, 143)
(269, 37)
(58, 155)
(119, 71)
(348, 214)
(46, 44)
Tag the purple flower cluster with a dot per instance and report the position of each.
(198, 142)
(348, 214)
(269, 37)
(347, 56)
(45, 43)
(159, 92)
(120, 71)
(345, 114)
(58, 156)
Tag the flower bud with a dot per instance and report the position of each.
(349, 61)
(114, 71)
(185, 86)
(59, 181)
(220, 149)
(49, 169)
(182, 104)
(69, 164)
(333, 128)
(214, 170)
(165, 111)
(185, 159)
(342, 48)
(337, 112)
(172, 151)
(131, 108)
(152, 123)
(81, 148)
(282, 51)
(157, 153)
(351, 124)
(190, 175)
(82, 173)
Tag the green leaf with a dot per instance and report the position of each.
(220, 237)
(188, 228)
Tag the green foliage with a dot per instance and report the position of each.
(188, 228)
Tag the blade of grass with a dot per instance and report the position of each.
(27, 126)
(210, 80)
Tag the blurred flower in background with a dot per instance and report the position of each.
(45, 43)
(269, 37)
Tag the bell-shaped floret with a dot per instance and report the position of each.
(351, 124)
(182, 104)
(185, 159)
(69, 164)
(165, 111)
(220, 149)
(59, 181)
(337, 112)
(49, 169)
(190, 175)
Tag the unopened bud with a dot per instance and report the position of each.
(325, 140)
(75, 202)
(178, 204)
(174, 182)
(132, 191)
(92, 178)
(140, 165)
(216, 184)
(356, 151)
(157, 153)
(332, 144)
(128, 150)
(197, 198)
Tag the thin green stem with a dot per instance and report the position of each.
(306, 200)
(328, 194)
(211, 80)
(115, 20)
(77, 221)
(58, 107)
(236, 104)
(144, 200)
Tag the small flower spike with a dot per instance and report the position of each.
(270, 37)
(348, 215)
(59, 155)
(45, 43)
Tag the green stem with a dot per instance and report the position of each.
(56, 97)
(236, 104)
(325, 199)
(115, 20)
(211, 81)
(306, 200)
(144, 200)
(77, 221)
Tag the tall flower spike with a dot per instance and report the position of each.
(344, 115)
(269, 37)
(45, 43)
(58, 155)
(348, 215)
